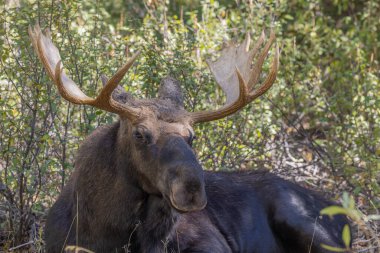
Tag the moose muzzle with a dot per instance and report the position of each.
(184, 176)
(188, 193)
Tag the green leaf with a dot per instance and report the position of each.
(346, 235)
(334, 210)
(333, 249)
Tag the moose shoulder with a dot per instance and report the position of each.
(137, 184)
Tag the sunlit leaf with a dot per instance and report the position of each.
(333, 249)
(333, 210)
(346, 235)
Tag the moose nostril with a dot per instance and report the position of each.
(193, 187)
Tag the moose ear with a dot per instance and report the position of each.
(170, 90)
(119, 94)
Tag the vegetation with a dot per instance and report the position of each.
(319, 125)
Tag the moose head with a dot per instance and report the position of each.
(158, 132)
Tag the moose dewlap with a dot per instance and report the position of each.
(138, 186)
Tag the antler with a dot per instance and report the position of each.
(51, 59)
(232, 70)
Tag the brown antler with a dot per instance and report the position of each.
(232, 70)
(51, 59)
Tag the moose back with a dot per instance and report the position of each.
(138, 186)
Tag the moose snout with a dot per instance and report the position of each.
(185, 187)
(188, 197)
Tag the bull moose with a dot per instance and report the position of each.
(138, 186)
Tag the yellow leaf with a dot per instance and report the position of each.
(14, 112)
(333, 249)
(346, 235)
(308, 156)
(333, 210)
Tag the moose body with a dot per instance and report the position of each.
(138, 186)
(252, 211)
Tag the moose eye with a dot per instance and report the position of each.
(138, 135)
(142, 136)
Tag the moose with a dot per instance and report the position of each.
(138, 186)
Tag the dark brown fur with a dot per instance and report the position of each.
(140, 186)
(111, 203)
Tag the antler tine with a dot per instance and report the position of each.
(112, 83)
(258, 44)
(256, 71)
(51, 59)
(231, 71)
(269, 79)
(198, 117)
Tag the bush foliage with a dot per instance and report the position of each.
(318, 124)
